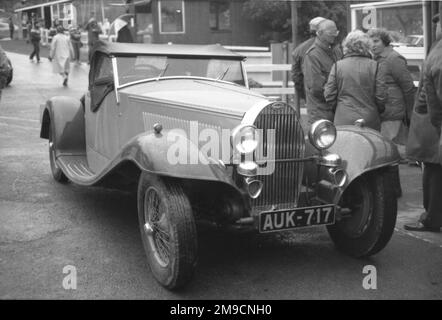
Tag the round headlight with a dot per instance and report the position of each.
(322, 134)
(245, 139)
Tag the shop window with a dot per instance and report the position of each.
(63, 13)
(171, 13)
(219, 18)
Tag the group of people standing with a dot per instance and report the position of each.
(367, 79)
(64, 48)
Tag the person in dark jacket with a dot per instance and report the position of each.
(124, 35)
(316, 67)
(400, 85)
(356, 87)
(11, 28)
(401, 92)
(35, 38)
(430, 100)
(298, 57)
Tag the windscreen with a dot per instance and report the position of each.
(131, 69)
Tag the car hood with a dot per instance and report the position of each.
(210, 95)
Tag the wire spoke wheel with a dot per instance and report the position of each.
(158, 233)
(167, 229)
(370, 225)
(359, 200)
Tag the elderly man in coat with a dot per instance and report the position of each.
(298, 57)
(430, 101)
(316, 67)
(60, 54)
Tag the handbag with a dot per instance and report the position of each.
(424, 140)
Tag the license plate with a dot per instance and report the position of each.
(287, 219)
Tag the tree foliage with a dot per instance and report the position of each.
(275, 16)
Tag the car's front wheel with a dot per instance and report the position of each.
(57, 173)
(168, 230)
(370, 224)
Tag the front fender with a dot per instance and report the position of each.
(65, 115)
(171, 153)
(361, 150)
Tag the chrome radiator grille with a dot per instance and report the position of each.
(282, 187)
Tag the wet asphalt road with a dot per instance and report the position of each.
(45, 226)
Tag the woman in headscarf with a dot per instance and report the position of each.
(60, 54)
(356, 86)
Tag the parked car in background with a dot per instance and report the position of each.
(410, 41)
(415, 40)
(178, 125)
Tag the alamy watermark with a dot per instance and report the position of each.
(70, 280)
(199, 146)
(370, 281)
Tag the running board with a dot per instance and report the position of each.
(76, 168)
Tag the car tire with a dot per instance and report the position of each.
(167, 229)
(57, 173)
(372, 219)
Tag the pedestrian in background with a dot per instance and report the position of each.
(428, 106)
(60, 54)
(124, 34)
(75, 37)
(35, 38)
(316, 67)
(356, 87)
(11, 28)
(28, 31)
(93, 33)
(56, 23)
(298, 57)
(5, 69)
(30, 26)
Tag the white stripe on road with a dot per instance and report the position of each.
(19, 119)
(416, 237)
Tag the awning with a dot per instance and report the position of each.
(41, 5)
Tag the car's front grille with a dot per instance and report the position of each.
(282, 187)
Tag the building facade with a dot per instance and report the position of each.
(153, 21)
(195, 21)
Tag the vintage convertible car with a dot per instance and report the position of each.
(179, 124)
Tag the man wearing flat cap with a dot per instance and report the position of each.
(298, 57)
(318, 61)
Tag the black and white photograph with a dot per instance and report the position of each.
(220, 156)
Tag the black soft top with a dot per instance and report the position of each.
(134, 49)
